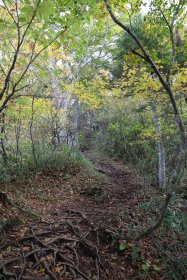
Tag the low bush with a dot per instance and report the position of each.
(46, 158)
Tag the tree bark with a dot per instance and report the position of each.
(160, 146)
(31, 133)
(4, 154)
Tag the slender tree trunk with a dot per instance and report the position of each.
(160, 146)
(74, 120)
(4, 154)
(18, 134)
(31, 134)
(123, 136)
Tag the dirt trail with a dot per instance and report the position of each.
(70, 241)
(103, 201)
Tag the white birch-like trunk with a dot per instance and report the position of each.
(160, 146)
(68, 130)
(73, 140)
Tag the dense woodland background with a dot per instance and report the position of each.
(85, 83)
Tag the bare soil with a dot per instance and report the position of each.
(75, 232)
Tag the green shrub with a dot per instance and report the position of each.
(47, 157)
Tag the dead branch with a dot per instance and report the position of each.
(35, 256)
(60, 238)
(78, 271)
(7, 273)
(73, 272)
(23, 269)
(63, 271)
(34, 278)
(9, 262)
(75, 253)
(38, 251)
(48, 270)
(64, 258)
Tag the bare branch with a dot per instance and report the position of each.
(3, 70)
(32, 59)
(19, 44)
(171, 27)
(8, 11)
(21, 88)
(138, 54)
(31, 21)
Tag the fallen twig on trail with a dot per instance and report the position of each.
(23, 269)
(9, 262)
(7, 273)
(45, 265)
(60, 238)
(34, 278)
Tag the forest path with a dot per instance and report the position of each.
(71, 239)
(103, 199)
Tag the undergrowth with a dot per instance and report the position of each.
(47, 158)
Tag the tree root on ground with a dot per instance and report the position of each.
(5, 200)
(87, 244)
(56, 256)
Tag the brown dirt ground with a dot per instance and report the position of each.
(75, 233)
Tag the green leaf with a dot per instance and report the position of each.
(27, 11)
(2, 135)
(145, 266)
(156, 267)
(122, 246)
(23, 18)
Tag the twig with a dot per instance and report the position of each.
(75, 253)
(8, 274)
(63, 271)
(34, 278)
(78, 271)
(35, 256)
(8, 262)
(23, 269)
(60, 238)
(73, 272)
(97, 267)
(45, 265)
(38, 251)
(64, 258)
(32, 237)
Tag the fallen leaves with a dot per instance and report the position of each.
(60, 202)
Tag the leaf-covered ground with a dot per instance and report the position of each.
(75, 232)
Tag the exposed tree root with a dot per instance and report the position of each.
(5, 200)
(87, 244)
(49, 256)
(3, 265)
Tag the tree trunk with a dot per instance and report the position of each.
(31, 134)
(2, 132)
(160, 146)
